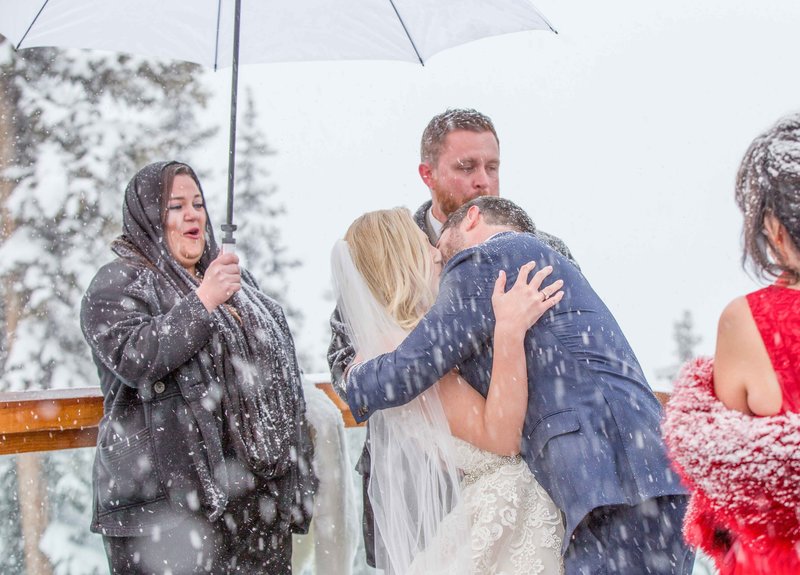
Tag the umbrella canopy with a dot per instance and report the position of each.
(219, 33)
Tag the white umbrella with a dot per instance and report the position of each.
(219, 33)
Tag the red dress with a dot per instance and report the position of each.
(743, 471)
(776, 311)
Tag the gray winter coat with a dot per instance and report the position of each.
(156, 427)
(145, 346)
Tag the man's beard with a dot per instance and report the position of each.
(455, 243)
(448, 203)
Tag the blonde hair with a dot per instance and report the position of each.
(392, 256)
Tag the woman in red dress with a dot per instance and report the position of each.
(733, 423)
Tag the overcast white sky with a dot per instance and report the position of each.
(621, 134)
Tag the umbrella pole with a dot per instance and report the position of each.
(228, 241)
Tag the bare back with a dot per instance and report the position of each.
(758, 350)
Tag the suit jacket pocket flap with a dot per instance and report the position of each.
(551, 426)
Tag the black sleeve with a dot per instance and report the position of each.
(340, 353)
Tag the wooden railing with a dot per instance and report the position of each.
(49, 420)
(67, 418)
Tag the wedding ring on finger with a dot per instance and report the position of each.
(544, 295)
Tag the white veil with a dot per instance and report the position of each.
(414, 479)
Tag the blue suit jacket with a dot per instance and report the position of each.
(591, 435)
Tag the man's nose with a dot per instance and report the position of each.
(481, 178)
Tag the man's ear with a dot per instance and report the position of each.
(425, 172)
(473, 217)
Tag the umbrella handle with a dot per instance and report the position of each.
(228, 241)
(229, 248)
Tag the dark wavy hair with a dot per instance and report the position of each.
(768, 182)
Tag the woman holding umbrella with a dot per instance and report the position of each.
(203, 453)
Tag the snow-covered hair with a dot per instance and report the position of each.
(768, 182)
(495, 211)
(448, 121)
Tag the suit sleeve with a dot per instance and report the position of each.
(458, 325)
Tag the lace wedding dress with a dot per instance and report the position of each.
(515, 528)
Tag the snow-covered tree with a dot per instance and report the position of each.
(685, 340)
(257, 214)
(80, 126)
(11, 553)
(74, 128)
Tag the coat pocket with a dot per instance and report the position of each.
(551, 426)
(126, 473)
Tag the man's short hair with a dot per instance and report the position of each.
(495, 211)
(448, 121)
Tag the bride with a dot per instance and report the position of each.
(449, 491)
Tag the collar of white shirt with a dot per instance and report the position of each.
(435, 224)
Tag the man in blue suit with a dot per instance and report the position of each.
(591, 434)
